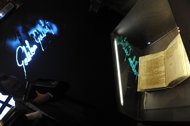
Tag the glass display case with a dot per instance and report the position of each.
(149, 27)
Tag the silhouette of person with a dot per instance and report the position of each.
(10, 85)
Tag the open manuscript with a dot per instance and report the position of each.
(164, 69)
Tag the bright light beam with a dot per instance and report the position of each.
(118, 72)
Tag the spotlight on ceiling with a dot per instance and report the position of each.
(148, 43)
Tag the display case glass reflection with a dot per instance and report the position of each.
(126, 68)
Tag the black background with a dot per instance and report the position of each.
(81, 54)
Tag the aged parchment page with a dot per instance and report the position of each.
(175, 60)
(151, 71)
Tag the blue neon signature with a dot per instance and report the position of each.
(37, 33)
(28, 52)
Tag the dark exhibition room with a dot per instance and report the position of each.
(94, 62)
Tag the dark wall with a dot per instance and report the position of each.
(121, 6)
(180, 11)
(80, 54)
(146, 22)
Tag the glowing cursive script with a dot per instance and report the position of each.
(28, 52)
(25, 52)
(40, 31)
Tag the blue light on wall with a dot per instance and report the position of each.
(29, 41)
(127, 48)
(13, 43)
(39, 32)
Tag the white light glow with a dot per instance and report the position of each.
(148, 43)
(12, 102)
(4, 112)
(1, 15)
(118, 72)
(3, 97)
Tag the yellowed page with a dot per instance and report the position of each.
(174, 60)
(187, 64)
(151, 72)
